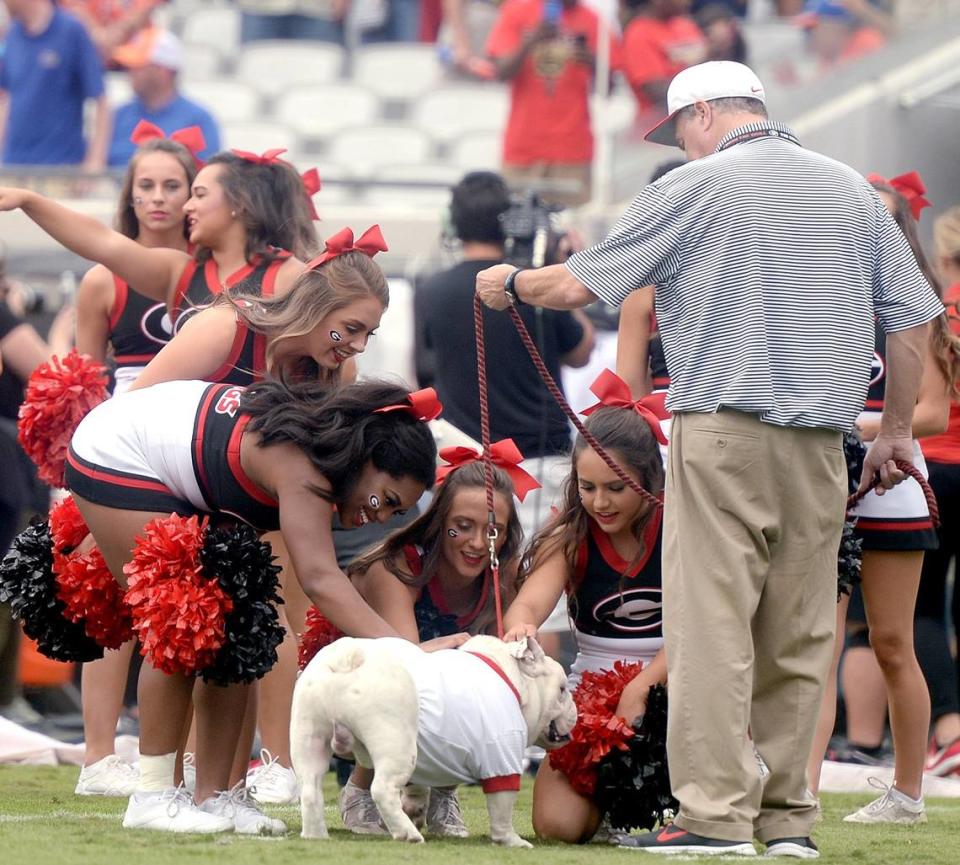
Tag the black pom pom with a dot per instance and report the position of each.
(27, 583)
(849, 559)
(850, 555)
(633, 786)
(243, 566)
(854, 451)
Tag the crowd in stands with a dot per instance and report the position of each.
(56, 108)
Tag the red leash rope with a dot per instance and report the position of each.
(492, 531)
(917, 475)
(557, 394)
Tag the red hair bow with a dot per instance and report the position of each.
(421, 404)
(268, 157)
(311, 185)
(910, 186)
(370, 243)
(503, 453)
(613, 392)
(190, 137)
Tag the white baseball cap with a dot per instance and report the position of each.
(152, 45)
(716, 79)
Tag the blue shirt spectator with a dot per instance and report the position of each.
(154, 58)
(50, 68)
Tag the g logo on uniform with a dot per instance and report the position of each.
(156, 325)
(635, 611)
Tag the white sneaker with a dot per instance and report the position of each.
(892, 807)
(171, 810)
(273, 784)
(110, 776)
(359, 812)
(444, 817)
(190, 770)
(246, 818)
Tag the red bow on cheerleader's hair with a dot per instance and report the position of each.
(421, 404)
(311, 185)
(613, 392)
(369, 243)
(503, 453)
(910, 186)
(268, 157)
(190, 137)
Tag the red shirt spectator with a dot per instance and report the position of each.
(657, 44)
(945, 448)
(549, 108)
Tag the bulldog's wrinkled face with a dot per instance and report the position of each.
(559, 714)
(547, 704)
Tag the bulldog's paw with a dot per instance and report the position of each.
(512, 840)
(411, 835)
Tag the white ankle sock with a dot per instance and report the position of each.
(156, 773)
(908, 799)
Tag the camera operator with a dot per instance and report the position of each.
(521, 408)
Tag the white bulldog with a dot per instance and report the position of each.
(434, 719)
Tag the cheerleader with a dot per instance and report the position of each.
(896, 529)
(274, 457)
(111, 314)
(114, 316)
(314, 330)
(603, 550)
(248, 218)
(432, 579)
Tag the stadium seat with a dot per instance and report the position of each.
(318, 111)
(274, 66)
(260, 135)
(201, 61)
(365, 149)
(449, 112)
(476, 151)
(230, 101)
(397, 71)
(216, 26)
(434, 193)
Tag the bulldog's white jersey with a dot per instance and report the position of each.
(470, 724)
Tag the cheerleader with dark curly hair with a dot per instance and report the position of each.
(274, 457)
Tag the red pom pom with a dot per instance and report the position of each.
(92, 596)
(88, 590)
(67, 526)
(58, 396)
(177, 612)
(598, 730)
(318, 632)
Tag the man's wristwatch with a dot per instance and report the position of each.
(508, 288)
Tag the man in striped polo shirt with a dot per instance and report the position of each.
(770, 262)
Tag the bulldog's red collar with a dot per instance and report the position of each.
(493, 665)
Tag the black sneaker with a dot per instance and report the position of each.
(798, 848)
(673, 839)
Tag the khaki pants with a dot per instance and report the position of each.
(752, 522)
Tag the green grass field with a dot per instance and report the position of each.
(43, 823)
